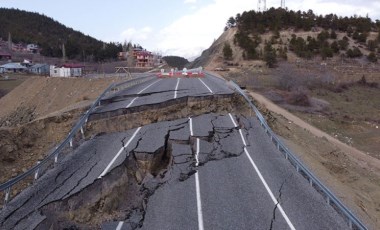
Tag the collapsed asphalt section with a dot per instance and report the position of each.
(154, 186)
(194, 172)
(73, 195)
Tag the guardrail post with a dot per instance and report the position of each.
(37, 171)
(82, 131)
(328, 200)
(311, 182)
(99, 103)
(71, 142)
(7, 195)
(56, 159)
(350, 223)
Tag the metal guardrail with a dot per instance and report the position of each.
(353, 221)
(6, 187)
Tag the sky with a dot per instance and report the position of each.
(171, 27)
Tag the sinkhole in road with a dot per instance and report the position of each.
(123, 193)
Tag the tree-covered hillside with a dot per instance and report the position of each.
(175, 61)
(252, 25)
(27, 27)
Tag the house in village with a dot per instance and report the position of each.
(40, 69)
(32, 48)
(67, 70)
(12, 68)
(5, 56)
(59, 71)
(143, 58)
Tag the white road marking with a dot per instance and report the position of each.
(120, 225)
(130, 103)
(198, 191)
(232, 119)
(263, 180)
(191, 126)
(242, 137)
(206, 85)
(269, 191)
(197, 153)
(118, 153)
(149, 86)
(176, 88)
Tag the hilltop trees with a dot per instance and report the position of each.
(50, 35)
(176, 61)
(270, 55)
(251, 25)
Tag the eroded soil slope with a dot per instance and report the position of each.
(37, 115)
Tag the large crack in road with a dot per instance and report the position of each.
(123, 193)
(130, 154)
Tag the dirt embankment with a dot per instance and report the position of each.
(38, 114)
(40, 96)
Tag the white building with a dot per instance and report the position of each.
(32, 48)
(67, 70)
(59, 71)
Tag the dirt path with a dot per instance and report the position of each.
(353, 152)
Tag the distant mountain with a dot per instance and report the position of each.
(27, 27)
(175, 61)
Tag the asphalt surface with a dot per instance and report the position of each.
(160, 90)
(223, 173)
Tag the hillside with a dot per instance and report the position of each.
(27, 27)
(278, 34)
(175, 61)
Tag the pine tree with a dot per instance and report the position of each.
(270, 56)
(227, 51)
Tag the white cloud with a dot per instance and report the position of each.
(137, 35)
(194, 32)
(190, 1)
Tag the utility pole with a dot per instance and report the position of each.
(9, 41)
(283, 4)
(63, 53)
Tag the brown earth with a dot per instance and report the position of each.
(38, 114)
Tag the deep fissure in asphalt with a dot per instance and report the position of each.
(139, 176)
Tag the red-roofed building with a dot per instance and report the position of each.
(143, 58)
(6, 56)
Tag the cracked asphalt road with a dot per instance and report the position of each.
(192, 173)
(162, 90)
